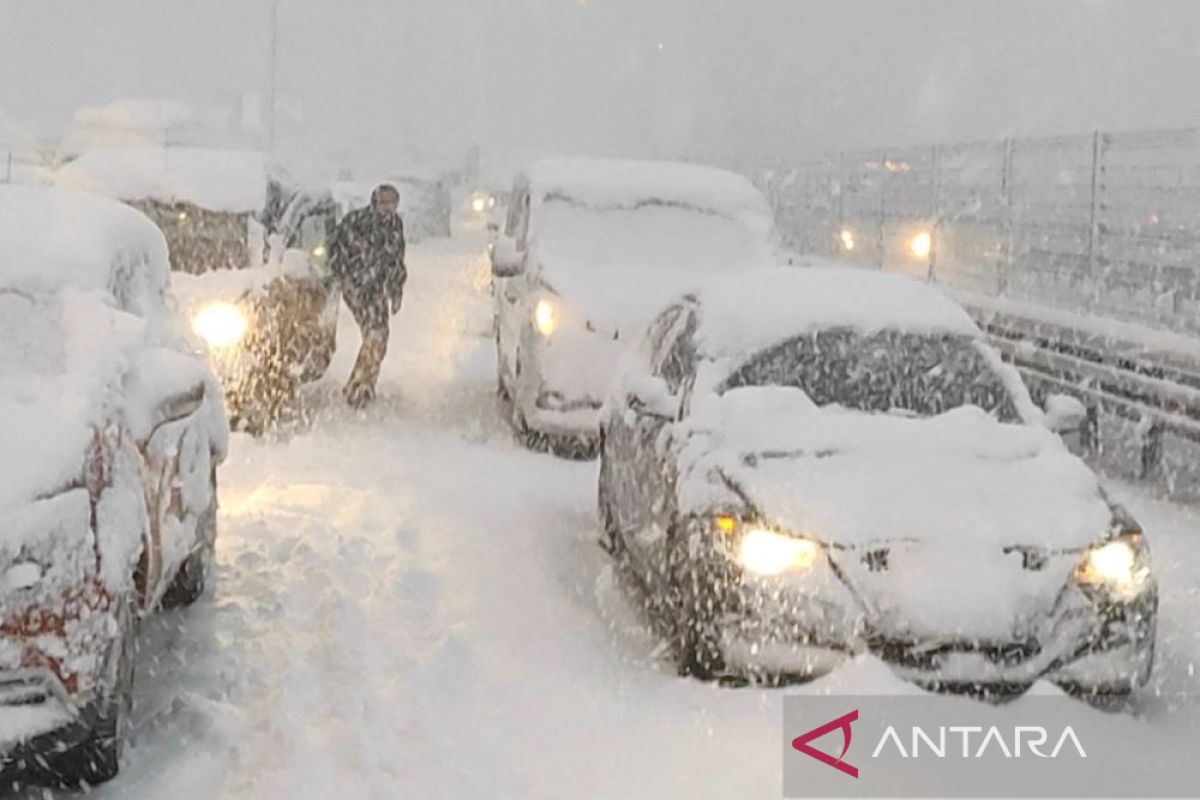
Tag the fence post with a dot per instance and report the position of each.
(881, 238)
(1006, 200)
(1094, 206)
(935, 214)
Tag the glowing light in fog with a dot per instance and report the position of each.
(765, 552)
(220, 324)
(921, 245)
(847, 237)
(545, 317)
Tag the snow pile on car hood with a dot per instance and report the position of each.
(217, 180)
(852, 478)
(51, 239)
(624, 265)
(744, 313)
(614, 183)
(60, 359)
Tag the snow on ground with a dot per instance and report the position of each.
(409, 605)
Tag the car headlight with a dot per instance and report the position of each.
(478, 204)
(1120, 566)
(545, 317)
(765, 552)
(846, 237)
(221, 325)
(319, 251)
(921, 244)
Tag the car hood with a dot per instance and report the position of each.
(61, 359)
(944, 525)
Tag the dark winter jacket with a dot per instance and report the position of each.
(366, 255)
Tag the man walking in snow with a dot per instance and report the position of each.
(366, 257)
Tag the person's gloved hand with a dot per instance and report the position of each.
(396, 294)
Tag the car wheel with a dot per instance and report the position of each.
(697, 639)
(97, 759)
(190, 581)
(611, 541)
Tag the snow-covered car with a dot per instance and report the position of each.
(113, 428)
(593, 248)
(806, 464)
(271, 329)
(214, 206)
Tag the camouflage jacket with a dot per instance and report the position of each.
(366, 253)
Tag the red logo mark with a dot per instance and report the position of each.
(801, 743)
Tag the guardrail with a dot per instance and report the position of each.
(1142, 396)
(1104, 223)
(1078, 255)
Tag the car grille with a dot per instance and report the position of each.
(29, 688)
(927, 655)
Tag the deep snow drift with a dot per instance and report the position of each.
(409, 605)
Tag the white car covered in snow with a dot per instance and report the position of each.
(113, 428)
(594, 247)
(802, 465)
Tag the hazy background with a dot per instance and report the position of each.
(714, 79)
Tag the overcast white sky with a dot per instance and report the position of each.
(701, 78)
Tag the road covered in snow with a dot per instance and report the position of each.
(408, 604)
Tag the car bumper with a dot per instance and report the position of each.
(1088, 647)
(45, 753)
(579, 421)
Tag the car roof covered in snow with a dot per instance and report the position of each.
(746, 312)
(218, 180)
(52, 239)
(616, 183)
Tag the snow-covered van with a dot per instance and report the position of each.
(214, 206)
(806, 464)
(113, 428)
(595, 247)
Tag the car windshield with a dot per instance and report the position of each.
(887, 371)
(670, 236)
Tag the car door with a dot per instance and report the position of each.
(509, 297)
(650, 479)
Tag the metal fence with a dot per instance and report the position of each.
(1107, 224)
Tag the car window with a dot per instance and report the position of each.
(922, 374)
(678, 354)
(652, 343)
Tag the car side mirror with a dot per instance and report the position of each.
(507, 261)
(651, 397)
(1067, 417)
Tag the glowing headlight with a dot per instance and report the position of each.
(220, 325)
(921, 244)
(1120, 566)
(545, 317)
(764, 552)
(319, 251)
(847, 239)
(182, 216)
(491, 201)
(478, 204)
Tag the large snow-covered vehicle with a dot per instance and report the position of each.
(214, 206)
(113, 428)
(593, 248)
(801, 465)
(272, 329)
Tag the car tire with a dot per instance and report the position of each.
(697, 639)
(97, 759)
(192, 578)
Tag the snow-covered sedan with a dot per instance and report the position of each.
(594, 247)
(113, 428)
(802, 465)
